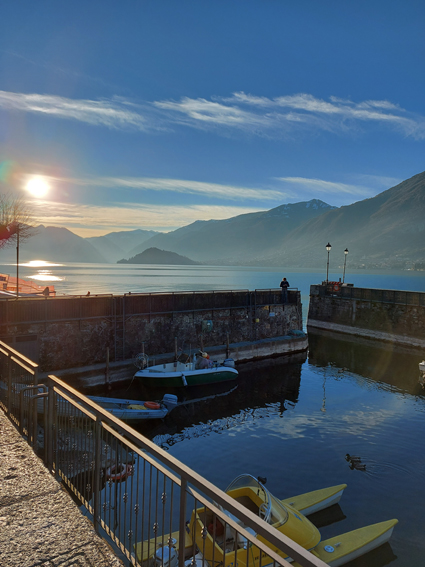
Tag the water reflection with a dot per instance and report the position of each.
(264, 389)
(45, 276)
(271, 422)
(40, 264)
(390, 366)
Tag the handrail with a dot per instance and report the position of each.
(130, 486)
(176, 470)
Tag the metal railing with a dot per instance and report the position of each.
(76, 308)
(153, 508)
(335, 289)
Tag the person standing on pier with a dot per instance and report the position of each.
(284, 284)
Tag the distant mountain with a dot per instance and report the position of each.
(116, 245)
(156, 256)
(386, 231)
(53, 244)
(239, 239)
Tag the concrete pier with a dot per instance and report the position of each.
(393, 316)
(59, 333)
(40, 525)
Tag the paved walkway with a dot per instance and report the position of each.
(40, 525)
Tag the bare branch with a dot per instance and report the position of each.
(15, 218)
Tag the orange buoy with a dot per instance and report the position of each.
(117, 473)
(152, 405)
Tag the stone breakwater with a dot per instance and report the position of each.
(386, 315)
(40, 525)
(70, 332)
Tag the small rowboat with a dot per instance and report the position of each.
(135, 410)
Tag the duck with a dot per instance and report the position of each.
(352, 458)
(357, 466)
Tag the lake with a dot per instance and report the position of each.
(293, 419)
(78, 279)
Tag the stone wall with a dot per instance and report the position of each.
(391, 316)
(76, 334)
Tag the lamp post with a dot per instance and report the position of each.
(17, 261)
(328, 248)
(345, 262)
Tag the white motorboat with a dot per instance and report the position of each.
(199, 370)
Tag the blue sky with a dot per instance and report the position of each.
(155, 114)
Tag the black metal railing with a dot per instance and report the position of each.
(336, 289)
(150, 505)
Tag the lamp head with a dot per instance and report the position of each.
(328, 247)
(346, 251)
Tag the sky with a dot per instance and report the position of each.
(154, 114)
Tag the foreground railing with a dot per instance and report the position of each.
(156, 510)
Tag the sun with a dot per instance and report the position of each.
(37, 186)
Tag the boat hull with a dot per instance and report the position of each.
(130, 410)
(177, 379)
(341, 549)
(312, 502)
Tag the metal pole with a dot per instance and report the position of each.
(97, 473)
(327, 269)
(17, 262)
(345, 262)
(182, 523)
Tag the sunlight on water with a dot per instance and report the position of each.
(45, 276)
(39, 264)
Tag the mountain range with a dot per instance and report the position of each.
(386, 231)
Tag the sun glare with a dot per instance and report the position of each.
(37, 186)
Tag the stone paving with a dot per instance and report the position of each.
(40, 525)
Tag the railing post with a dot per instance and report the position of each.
(9, 385)
(97, 471)
(123, 327)
(182, 519)
(49, 437)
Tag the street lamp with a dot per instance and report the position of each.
(328, 248)
(345, 262)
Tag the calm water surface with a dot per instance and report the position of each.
(293, 419)
(78, 279)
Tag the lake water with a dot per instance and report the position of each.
(78, 279)
(293, 419)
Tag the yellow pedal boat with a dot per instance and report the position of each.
(307, 503)
(223, 547)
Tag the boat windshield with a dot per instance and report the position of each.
(272, 509)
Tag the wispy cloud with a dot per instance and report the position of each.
(114, 113)
(285, 114)
(257, 115)
(214, 190)
(91, 220)
(379, 181)
(327, 187)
